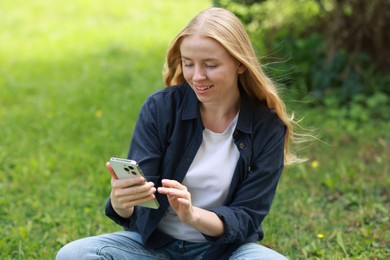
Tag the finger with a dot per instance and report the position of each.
(137, 202)
(163, 190)
(136, 191)
(184, 201)
(173, 184)
(134, 196)
(127, 183)
(167, 191)
(128, 202)
(111, 171)
(174, 192)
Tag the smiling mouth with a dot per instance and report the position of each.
(203, 88)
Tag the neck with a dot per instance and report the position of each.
(216, 117)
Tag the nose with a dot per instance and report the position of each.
(199, 74)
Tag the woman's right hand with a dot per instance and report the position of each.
(128, 193)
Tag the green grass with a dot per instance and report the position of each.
(336, 206)
(73, 76)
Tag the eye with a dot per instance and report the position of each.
(187, 65)
(211, 66)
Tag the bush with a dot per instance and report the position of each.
(304, 53)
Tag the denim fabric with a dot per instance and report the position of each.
(128, 246)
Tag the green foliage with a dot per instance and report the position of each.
(267, 20)
(300, 55)
(351, 91)
(307, 60)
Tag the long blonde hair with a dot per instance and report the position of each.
(224, 27)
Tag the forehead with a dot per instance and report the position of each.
(197, 46)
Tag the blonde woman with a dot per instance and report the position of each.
(212, 146)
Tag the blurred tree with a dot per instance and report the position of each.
(336, 47)
(353, 25)
(360, 26)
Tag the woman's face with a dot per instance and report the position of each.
(209, 69)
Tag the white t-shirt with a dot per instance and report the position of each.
(208, 180)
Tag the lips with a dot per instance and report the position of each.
(203, 88)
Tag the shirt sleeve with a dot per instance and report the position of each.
(146, 149)
(147, 144)
(126, 223)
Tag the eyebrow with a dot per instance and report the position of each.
(209, 59)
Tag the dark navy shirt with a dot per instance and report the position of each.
(165, 141)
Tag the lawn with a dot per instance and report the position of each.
(73, 76)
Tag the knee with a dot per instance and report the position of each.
(66, 252)
(75, 250)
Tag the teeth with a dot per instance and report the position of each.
(203, 88)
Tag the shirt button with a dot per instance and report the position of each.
(242, 145)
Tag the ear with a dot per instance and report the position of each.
(241, 68)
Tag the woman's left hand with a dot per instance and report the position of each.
(179, 198)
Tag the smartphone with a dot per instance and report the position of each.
(124, 169)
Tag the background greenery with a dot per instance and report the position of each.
(73, 76)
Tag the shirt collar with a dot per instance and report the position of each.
(190, 103)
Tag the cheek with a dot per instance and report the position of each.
(187, 74)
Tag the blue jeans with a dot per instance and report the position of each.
(128, 245)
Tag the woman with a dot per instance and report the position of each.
(212, 146)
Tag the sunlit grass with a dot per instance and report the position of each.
(73, 76)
